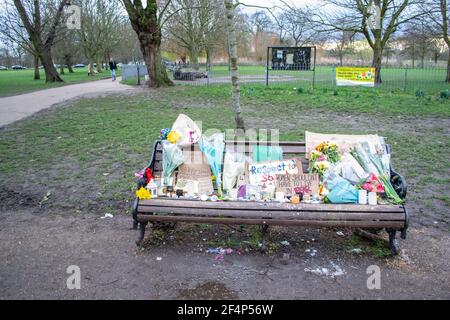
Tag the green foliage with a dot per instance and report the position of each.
(419, 94)
(445, 95)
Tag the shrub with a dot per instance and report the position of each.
(419, 94)
(445, 94)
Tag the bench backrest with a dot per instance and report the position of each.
(290, 150)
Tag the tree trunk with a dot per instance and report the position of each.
(234, 64)
(193, 58)
(209, 56)
(68, 61)
(37, 75)
(157, 75)
(61, 68)
(448, 70)
(51, 75)
(376, 63)
(146, 24)
(90, 68)
(99, 65)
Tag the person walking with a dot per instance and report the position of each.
(113, 68)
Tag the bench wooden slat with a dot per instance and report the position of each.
(269, 206)
(288, 215)
(248, 149)
(324, 223)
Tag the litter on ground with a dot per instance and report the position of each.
(334, 271)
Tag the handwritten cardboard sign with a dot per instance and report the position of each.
(292, 183)
(265, 173)
(199, 174)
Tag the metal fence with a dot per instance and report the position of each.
(403, 79)
(396, 79)
(133, 71)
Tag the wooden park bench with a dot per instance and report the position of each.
(392, 218)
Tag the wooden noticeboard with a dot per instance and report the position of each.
(292, 183)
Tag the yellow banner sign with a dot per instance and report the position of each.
(352, 76)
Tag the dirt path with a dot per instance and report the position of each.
(18, 107)
(36, 249)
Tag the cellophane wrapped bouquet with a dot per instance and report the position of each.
(362, 167)
(377, 165)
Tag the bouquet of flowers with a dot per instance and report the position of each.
(213, 147)
(378, 166)
(372, 184)
(172, 158)
(322, 157)
(164, 133)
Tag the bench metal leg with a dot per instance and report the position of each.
(141, 233)
(405, 228)
(134, 214)
(393, 243)
(264, 231)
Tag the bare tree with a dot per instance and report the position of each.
(418, 39)
(147, 22)
(14, 32)
(439, 10)
(65, 50)
(230, 7)
(100, 30)
(42, 33)
(214, 28)
(261, 25)
(188, 24)
(377, 20)
(344, 41)
(297, 24)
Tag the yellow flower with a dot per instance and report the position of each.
(173, 137)
(315, 155)
(322, 166)
(143, 194)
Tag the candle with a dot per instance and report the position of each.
(279, 196)
(372, 198)
(295, 199)
(362, 196)
(233, 194)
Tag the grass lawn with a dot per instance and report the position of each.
(86, 154)
(21, 81)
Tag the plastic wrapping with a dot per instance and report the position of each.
(341, 190)
(234, 166)
(213, 148)
(188, 130)
(172, 158)
(350, 169)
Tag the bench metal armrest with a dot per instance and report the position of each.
(397, 180)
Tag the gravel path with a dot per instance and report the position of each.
(18, 107)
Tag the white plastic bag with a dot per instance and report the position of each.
(234, 166)
(189, 132)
